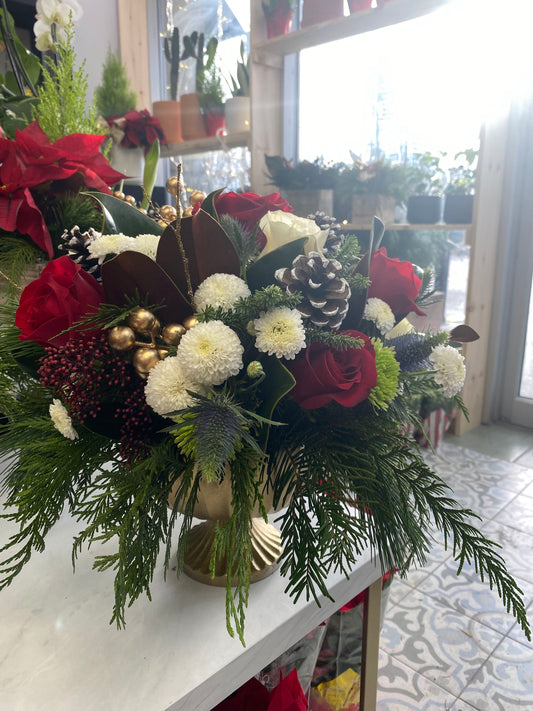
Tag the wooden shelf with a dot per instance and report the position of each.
(201, 145)
(408, 227)
(392, 13)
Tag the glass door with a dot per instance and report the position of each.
(517, 349)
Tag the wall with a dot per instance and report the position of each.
(95, 33)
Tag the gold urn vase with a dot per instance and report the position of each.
(215, 508)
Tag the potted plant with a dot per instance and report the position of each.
(193, 125)
(459, 191)
(238, 106)
(427, 180)
(278, 16)
(358, 5)
(169, 112)
(308, 186)
(376, 188)
(315, 11)
(212, 101)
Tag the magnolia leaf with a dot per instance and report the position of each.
(261, 273)
(150, 172)
(358, 299)
(133, 275)
(208, 250)
(463, 334)
(118, 217)
(280, 382)
(208, 204)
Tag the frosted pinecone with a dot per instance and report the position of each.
(335, 236)
(325, 293)
(76, 245)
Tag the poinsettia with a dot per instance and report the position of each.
(31, 160)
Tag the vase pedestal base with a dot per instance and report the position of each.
(266, 551)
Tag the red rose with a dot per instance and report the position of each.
(249, 208)
(54, 302)
(324, 374)
(395, 283)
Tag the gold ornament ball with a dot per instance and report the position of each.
(156, 328)
(173, 185)
(168, 212)
(162, 353)
(162, 223)
(187, 212)
(196, 196)
(119, 194)
(172, 333)
(121, 338)
(142, 321)
(130, 200)
(144, 359)
(141, 209)
(190, 322)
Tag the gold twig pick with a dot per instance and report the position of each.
(177, 232)
(8, 279)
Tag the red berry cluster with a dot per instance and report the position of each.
(92, 379)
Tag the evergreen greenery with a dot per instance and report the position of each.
(61, 107)
(114, 96)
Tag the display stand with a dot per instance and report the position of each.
(60, 652)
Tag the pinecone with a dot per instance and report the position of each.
(76, 243)
(335, 236)
(325, 293)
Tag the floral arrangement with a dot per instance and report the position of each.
(135, 129)
(266, 352)
(41, 186)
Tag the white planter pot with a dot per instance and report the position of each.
(237, 113)
(129, 161)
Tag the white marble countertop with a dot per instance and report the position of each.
(59, 653)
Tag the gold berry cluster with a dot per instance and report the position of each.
(144, 335)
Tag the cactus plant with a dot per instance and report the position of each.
(204, 54)
(172, 54)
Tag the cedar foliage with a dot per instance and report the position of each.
(114, 96)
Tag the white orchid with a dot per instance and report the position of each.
(59, 13)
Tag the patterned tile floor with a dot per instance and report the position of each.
(447, 643)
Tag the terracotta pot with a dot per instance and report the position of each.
(356, 5)
(192, 122)
(169, 115)
(237, 112)
(215, 123)
(279, 22)
(315, 11)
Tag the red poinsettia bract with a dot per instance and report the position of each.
(30, 160)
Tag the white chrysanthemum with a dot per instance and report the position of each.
(220, 290)
(166, 387)
(210, 353)
(280, 332)
(61, 419)
(105, 245)
(380, 313)
(450, 369)
(146, 244)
